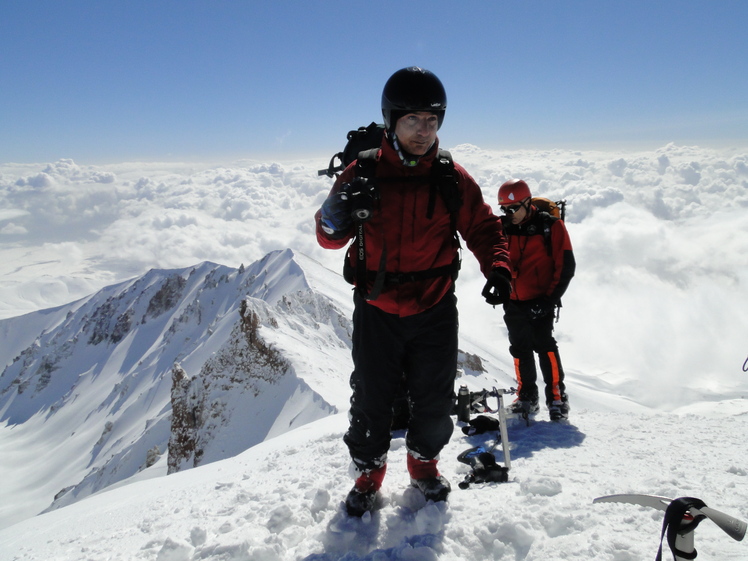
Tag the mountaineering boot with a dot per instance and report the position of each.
(426, 478)
(358, 503)
(433, 488)
(363, 497)
(524, 407)
(559, 410)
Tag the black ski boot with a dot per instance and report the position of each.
(364, 497)
(358, 503)
(425, 477)
(558, 410)
(433, 488)
(524, 407)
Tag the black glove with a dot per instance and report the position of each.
(485, 470)
(541, 307)
(481, 424)
(335, 214)
(498, 287)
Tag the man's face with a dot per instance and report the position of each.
(416, 132)
(516, 212)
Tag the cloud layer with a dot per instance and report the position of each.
(659, 236)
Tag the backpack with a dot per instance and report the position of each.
(554, 208)
(363, 145)
(550, 211)
(363, 138)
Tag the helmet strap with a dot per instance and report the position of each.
(527, 205)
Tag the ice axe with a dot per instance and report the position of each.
(482, 424)
(682, 516)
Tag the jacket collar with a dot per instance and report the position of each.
(390, 155)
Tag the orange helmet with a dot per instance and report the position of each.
(513, 191)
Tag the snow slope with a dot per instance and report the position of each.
(86, 400)
(282, 500)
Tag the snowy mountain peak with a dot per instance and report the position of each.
(100, 377)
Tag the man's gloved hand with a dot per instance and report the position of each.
(335, 214)
(498, 287)
(541, 307)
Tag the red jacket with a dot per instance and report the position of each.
(412, 241)
(540, 267)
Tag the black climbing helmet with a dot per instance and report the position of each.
(409, 90)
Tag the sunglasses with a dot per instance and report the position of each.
(509, 210)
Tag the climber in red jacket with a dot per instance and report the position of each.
(543, 265)
(402, 207)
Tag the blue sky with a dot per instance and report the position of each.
(107, 81)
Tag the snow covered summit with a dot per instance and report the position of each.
(90, 392)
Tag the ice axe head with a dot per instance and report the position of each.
(732, 526)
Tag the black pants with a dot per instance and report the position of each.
(528, 336)
(422, 349)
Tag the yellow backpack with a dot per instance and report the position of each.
(554, 208)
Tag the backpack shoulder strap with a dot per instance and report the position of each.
(547, 223)
(444, 182)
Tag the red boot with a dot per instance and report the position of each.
(426, 477)
(363, 497)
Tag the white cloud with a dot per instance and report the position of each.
(691, 173)
(662, 258)
(11, 213)
(11, 229)
(39, 181)
(103, 177)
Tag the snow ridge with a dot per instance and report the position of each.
(98, 377)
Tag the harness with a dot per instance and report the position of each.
(443, 183)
